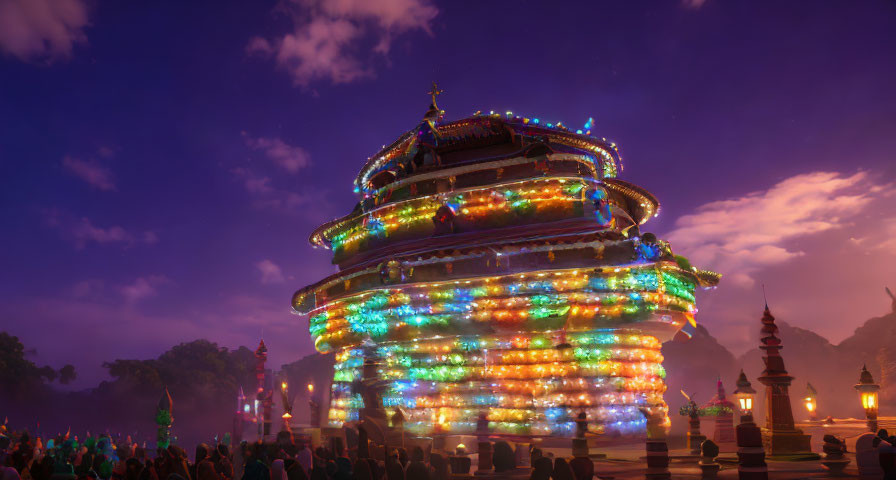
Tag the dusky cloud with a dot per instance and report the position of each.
(96, 175)
(742, 235)
(142, 288)
(270, 271)
(288, 157)
(42, 30)
(328, 39)
(83, 232)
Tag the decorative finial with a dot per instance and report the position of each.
(435, 92)
(434, 112)
(764, 297)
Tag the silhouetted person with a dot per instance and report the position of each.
(503, 457)
(562, 470)
(542, 468)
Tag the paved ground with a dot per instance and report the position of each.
(626, 461)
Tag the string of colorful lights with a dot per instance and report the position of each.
(527, 294)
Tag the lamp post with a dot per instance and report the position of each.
(744, 394)
(313, 407)
(287, 406)
(811, 402)
(868, 394)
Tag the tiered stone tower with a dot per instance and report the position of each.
(780, 435)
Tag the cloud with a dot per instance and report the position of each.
(82, 231)
(695, 4)
(286, 156)
(882, 239)
(90, 288)
(329, 38)
(270, 272)
(41, 30)
(90, 171)
(142, 288)
(266, 196)
(254, 183)
(740, 236)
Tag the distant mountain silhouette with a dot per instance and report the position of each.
(694, 365)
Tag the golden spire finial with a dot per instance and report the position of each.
(435, 92)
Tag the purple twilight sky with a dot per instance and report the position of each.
(164, 162)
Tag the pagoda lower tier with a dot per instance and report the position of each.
(531, 345)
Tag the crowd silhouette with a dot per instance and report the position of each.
(65, 457)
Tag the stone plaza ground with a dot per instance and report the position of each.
(628, 461)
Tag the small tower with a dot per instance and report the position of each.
(164, 419)
(723, 410)
(263, 394)
(780, 435)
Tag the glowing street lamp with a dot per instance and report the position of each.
(868, 394)
(313, 407)
(811, 402)
(744, 394)
(287, 406)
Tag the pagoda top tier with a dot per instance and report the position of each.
(506, 156)
(448, 141)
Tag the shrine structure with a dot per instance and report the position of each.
(495, 265)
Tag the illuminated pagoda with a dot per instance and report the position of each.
(494, 265)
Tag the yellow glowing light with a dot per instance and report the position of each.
(869, 400)
(310, 388)
(810, 404)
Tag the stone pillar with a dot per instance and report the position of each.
(657, 460)
(579, 442)
(657, 449)
(724, 431)
(695, 438)
(750, 452)
(486, 467)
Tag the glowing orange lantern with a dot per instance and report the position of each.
(744, 394)
(868, 394)
(811, 402)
